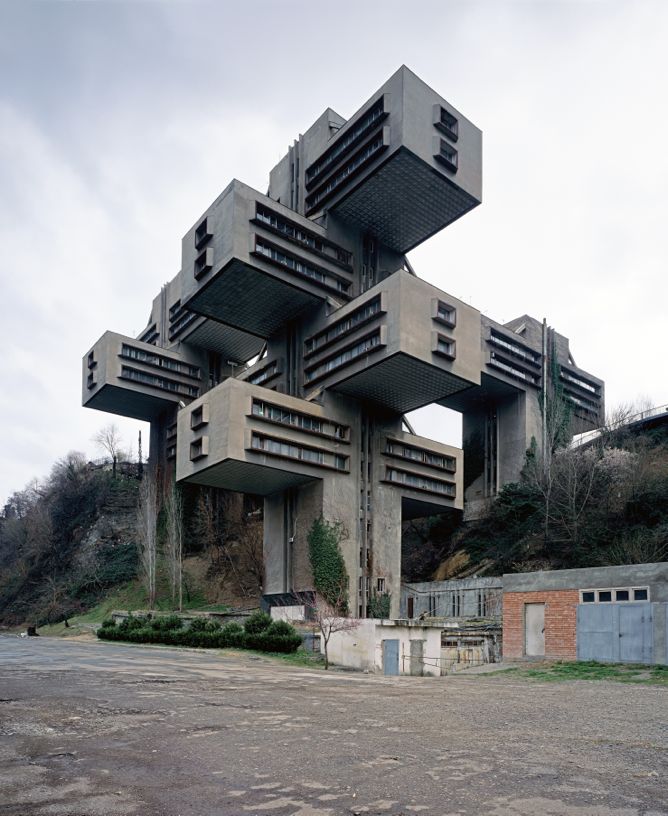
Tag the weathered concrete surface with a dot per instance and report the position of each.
(90, 728)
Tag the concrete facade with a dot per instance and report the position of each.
(463, 598)
(282, 357)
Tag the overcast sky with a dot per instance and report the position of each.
(120, 122)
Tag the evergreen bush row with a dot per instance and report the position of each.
(259, 632)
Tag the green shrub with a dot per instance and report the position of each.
(167, 624)
(280, 627)
(108, 623)
(131, 623)
(269, 636)
(279, 636)
(264, 642)
(212, 626)
(257, 623)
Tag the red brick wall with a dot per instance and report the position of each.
(560, 622)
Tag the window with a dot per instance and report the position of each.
(615, 595)
(305, 422)
(342, 327)
(515, 349)
(293, 232)
(202, 233)
(579, 382)
(91, 381)
(447, 155)
(418, 482)
(445, 346)
(344, 357)
(156, 360)
(455, 604)
(91, 360)
(445, 314)
(290, 450)
(163, 383)
(199, 416)
(446, 123)
(294, 264)
(265, 374)
(437, 460)
(346, 141)
(203, 263)
(365, 154)
(179, 319)
(380, 585)
(199, 448)
(150, 335)
(513, 371)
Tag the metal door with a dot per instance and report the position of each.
(635, 633)
(620, 633)
(534, 629)
(390, 657)
(596, 635)
(417, 658)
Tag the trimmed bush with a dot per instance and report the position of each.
(258, 622)
(197, 625)
(131, 623)
(280, 627)
(269, 636)
(169, 623)
(279, 636)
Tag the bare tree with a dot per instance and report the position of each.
(327, 617)
(108, 439)
(174, 542)
(147, 515)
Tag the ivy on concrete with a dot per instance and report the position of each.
(379, 605)
(330, 577)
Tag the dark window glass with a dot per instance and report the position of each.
(588, 597)
(622, 595)
(640, 595)
(605, 596)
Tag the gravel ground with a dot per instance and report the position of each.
(92, 729)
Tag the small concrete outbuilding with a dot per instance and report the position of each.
(391, 647)
(616, 614)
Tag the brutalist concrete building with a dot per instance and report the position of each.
(281, 360)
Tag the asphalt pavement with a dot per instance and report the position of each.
(104, 729)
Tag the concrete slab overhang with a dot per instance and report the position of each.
(404, 166)
(253, 264)
(231, 343)
(420, 383)
(401, 345)
(404, 202)
(251, 439)
(246, 297)
(124, 376)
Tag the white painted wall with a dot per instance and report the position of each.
(361, 648)
(288, 613)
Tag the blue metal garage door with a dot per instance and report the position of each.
(619, 633)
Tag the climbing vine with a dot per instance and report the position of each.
(330, 577)
(379, 605)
